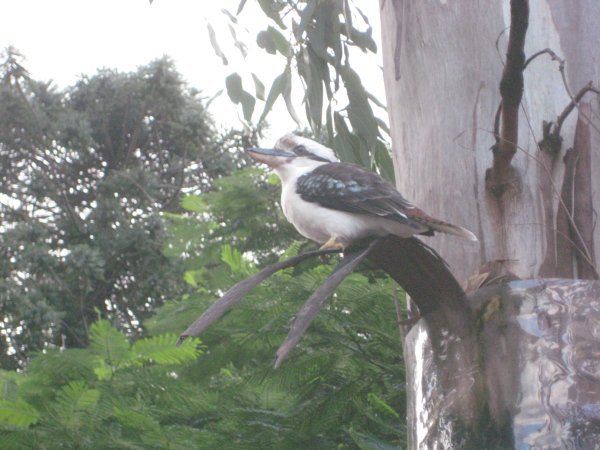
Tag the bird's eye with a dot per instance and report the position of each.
(300, 150)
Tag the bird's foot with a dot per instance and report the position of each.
(331, 244)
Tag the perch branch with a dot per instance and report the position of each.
(316, 301)
(236, 293)
(421, 272)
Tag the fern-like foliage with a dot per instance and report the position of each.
(111, 395)
(342, 386)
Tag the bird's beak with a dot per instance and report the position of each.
(271, 156)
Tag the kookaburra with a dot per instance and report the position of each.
(336, 203)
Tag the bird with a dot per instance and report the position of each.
(336, 203)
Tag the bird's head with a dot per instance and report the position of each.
(291, 151)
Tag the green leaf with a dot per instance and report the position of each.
(17, 413)
(310, 70)
(189, 276)
(281, 43)
(306, 16)
(363, 39)
(102, 370)
(248, 102)
(264, 40)
(162, 350)
(287, 96)
(215, 44)
(259, 87)
(346, 144)
(329, 124)
(230, 16)
(235, 260)
(240, 7)
(136, 420)
(109, 343)
(324, 32)
(242, 47)
(76, 396)
(360, 112)
(193, 203)
(233, 83)
(271, 8)
(237, 94)
(381, 405)
(273, 179)
(366, 441)
(276, 90)
(383, 162)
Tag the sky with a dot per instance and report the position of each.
(64, 39)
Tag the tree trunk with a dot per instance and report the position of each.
(523, 176)
(532, 381)
(442, 74)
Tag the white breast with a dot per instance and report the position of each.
(319, 224)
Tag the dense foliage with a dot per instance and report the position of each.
(342, 387)
(85, 173)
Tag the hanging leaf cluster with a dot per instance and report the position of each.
(313, 40)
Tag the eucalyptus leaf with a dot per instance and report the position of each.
(306, 17)
(345, 144)
(276, 90)
(237, 94)
(271, 8)
(383, 162)
(264, 40)
(259, 87)
(240, 7)
(313, 97)
(360, 112)
(215, 44)
(242, 47)
(287, 96)
(233, 83)
(248, 102)
(230, 16)
(281, 43)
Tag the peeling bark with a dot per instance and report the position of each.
(550, 147)
(575, 216)
(584, 213)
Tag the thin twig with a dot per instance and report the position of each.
(573, 104)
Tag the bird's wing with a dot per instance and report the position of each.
(351, 188)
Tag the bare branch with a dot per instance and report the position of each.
(511, 90)
(235, 294)
(574, 102)
(316, 301)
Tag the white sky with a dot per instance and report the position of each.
(63, 39)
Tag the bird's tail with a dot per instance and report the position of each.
(445, 227)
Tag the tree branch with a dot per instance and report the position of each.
(236, 293)
(421, 272)
(511, 90)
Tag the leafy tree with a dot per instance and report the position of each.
(112, 394)
(343, 388)
(85, 173)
